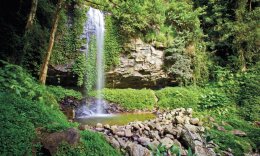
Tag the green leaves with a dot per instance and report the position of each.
(130, 99)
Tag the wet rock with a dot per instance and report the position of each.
(52, 141)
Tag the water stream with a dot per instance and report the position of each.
(95, 27)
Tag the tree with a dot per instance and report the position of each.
(31, 15)
(44, 69)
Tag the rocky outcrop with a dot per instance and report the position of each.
(61, 75)
(141, 65)
(175, 128)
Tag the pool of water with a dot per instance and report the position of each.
(116, 119)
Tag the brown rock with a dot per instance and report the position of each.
(137, 150)
(194, 121)
(52, 141)
(238, 133)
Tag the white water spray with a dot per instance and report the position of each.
(96, 26)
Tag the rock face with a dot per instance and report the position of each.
(136, 137)
(61, 75)
(140, 66)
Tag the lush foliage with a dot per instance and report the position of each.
(16, 133)
(130, 98)
(91, 144)
(16, 80)
(176, 97)
(113, 43)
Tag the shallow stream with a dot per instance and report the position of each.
(116, 119)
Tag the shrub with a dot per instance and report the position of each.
(17, 132)
(249, 99)
(130, 98)
(60, 92)
(92, 144)
(213, 99)
(37, 113)
(16, 80)
(176, 97)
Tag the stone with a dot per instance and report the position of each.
(155, 134)
(137, 150)
(189, 111)
(151, 125)
(107, 126)
(220, 128)
(114, 128)
(128, 133)
(122, 142)
(99, 129)
(191, 128)
(167, 142)
(113, 142)
(83, 127)
(169, 136)
(99, 125)
(238, 133)
(144, 141)
(120, 133)
(52, 141)
(179, 119)
(194, 121)
(158, 127)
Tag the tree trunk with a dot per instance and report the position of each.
(44, 69)
(242, 61)
(31, 15)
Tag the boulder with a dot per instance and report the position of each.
(52, 141)
(137, 150)
(166, 142)
(194, 121)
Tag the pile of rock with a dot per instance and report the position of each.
(176, 127)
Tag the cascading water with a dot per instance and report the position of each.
(95, 29)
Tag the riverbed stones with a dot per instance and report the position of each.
(194, 121)
(173, 128)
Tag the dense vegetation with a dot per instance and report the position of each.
(211, 49)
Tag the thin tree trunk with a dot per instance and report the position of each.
(242, 61)
(250, 5)
(44, 69)
(31, 14)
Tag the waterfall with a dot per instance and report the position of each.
(95, 27)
